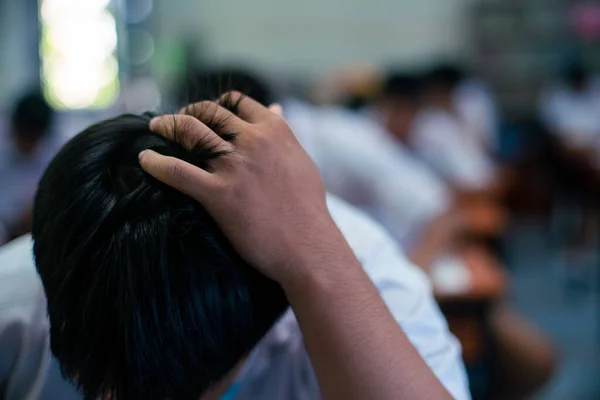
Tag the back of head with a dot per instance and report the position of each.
(146, 297)
(399, 103)
(576, 77)
(219, 80)
(401, 86)
(31, 116)
(443, 77)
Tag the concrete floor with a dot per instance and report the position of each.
(559, 291)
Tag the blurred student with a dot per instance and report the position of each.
(477, 108)
(526, 357)
(367, 160)
(571, 110)
(27, 369)
(446, 141)
(25, 150)
(233, 304)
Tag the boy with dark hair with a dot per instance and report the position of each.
(153, 292)
(24, 153)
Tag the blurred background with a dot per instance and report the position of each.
(497, 101)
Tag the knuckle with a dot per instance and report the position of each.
(203, 105)
(186, 124)
(231, 93)
(229, 99)
(187, 110)
(200, 109)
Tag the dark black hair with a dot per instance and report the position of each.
(401, 85)
(32, 116)
(445, 76)
(146, 297)
(576, 76)
(220, 79)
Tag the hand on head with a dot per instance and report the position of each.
(265, 192)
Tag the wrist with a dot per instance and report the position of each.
(318, 266)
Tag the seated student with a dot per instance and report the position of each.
(24, 153)
(399, 110)
(395, 111)
(475, 105)
(570, 113)
(27, 371)
(522, 344)
(441, 137)
(147, 298)
(569, 110)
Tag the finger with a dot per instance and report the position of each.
(245, 107)
(189, 132)
(180, 175)
(219, 118)
(276, 108)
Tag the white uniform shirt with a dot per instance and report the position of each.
(22, 309)
(279, 367)
(475, 105)
(442, 141)
(574, 116)
(19, 176)
(362, 164)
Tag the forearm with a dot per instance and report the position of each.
(428, 248)
(425, 252)
(357, 349)
(436, 239)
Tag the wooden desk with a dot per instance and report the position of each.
(487, 280)
(484, 217)
(467, 311)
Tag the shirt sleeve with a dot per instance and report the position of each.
(440, 143)
(366, 168)
(406, 291)
(279, 367)
(411, 303)
(23, 317)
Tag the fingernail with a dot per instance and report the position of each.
(153, 122)
(141, 154)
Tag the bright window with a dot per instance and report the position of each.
(78, 53)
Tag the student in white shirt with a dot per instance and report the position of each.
(571, 110)
(361, 164)
(279, 367)
(570, 114)
(477, 107)
(442, 138)
(26, 146)
(528, 357)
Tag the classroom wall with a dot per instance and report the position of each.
(19, 67)
(315, 36)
